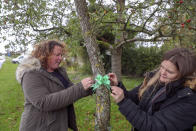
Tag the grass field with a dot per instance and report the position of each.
(11, 103)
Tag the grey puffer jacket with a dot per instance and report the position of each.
(48, 104)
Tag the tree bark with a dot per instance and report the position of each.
(116, 62)
(117, 52)
(102, 120)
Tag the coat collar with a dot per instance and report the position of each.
(173, 91)
(173, 87)
(28, 64)
(33, 64)
(176, 89)
(50, 76)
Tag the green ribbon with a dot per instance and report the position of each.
(101, 80)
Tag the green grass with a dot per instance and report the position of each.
(12, 99)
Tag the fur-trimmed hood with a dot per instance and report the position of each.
(28, 64)
(191, 81)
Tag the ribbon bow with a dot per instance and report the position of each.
(101, 80)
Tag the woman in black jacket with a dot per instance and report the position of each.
(166, 100)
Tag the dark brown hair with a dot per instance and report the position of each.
(44, 49)
(184, 59)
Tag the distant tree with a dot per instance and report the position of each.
(147, 21)
(185, 14)
(25, 22)
(127, 22)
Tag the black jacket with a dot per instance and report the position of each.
(174, 110)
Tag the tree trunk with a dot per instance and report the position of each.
(102, 120)
(116, 62)
(117, 52)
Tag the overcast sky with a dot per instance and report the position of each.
(2, 49)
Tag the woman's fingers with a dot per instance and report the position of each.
(117, 94)
(113, 78)
(87, 82)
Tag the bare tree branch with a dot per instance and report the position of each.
(153, 13)
(154, 39)
(51, 29)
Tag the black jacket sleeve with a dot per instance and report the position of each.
(132, 94)
(178, 116)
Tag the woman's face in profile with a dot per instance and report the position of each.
(55, 59)
(168, 72)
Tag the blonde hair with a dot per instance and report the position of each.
(148, 82)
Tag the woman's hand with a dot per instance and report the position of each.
(117, 94)
(87, 82)
(113, 79)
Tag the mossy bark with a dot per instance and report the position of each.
(102, 120)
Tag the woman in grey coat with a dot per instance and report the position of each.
(49, 94)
